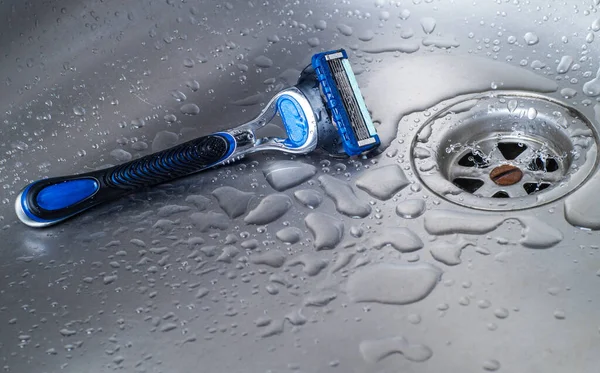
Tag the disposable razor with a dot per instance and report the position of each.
(324, 109)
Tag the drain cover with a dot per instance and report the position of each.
(504, 150)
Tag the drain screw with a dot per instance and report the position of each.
(506, 174)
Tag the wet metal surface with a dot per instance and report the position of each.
(280, 263)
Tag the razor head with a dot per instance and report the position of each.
(346, 105)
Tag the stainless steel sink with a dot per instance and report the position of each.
(382, 263)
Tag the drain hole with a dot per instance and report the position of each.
(540, 164)
(534, 187)
(501, 195)
(472, 160)
(511, 150)
(468, 185)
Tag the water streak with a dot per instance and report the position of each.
(346, 202)
(393, 283)
(284, 175)
(326, 230)
(374, 351)
(383, 182)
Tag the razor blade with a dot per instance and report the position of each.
(345, 102)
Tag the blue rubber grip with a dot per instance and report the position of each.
(50, 201)
(66, 193)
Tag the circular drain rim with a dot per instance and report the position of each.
(439, 184)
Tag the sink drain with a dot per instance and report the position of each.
(504, 150)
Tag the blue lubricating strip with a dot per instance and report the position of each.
(66, 193)
(336, 105)
(294, 121)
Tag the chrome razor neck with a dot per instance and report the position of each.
(299, 120)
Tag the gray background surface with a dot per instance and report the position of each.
(77, 80)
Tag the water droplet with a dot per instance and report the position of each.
(170, 118)
(345, 199)
(407, 33)
(289, 235)
(320, 25)
(376, 350)
(79, 111)
(188, 62)
(491, 365)
(320, 299)
(343, 259)
(326, 230)
(531, 38)
(313, 42)
(366, 35)
(109, 279)
(536, 233)
(383, 182)
(531, 113)
(484, 303)
(193, 85)
(67, 332)
(263, 61)
(18, 144)
(139, 146)
(168, 327)
(190, 109)
(201, 58)
(589, 38)
(402, 239)
(270, 208)
(537, 65)
(311, 264)
(138, 123)
(564, 65)
(501, 313)
(592, 88)
(428, 24)
(568, 93)
(414, 318)
(415, 188)
(233, 201)
(345, 29)
(309, 198)
(273, 38)
(164, 140)
(393, 283)
(411, 208)
(121, 155)
(178, 95)
(209, 220)
(271, 258)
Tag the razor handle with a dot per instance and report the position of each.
(49, 201)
